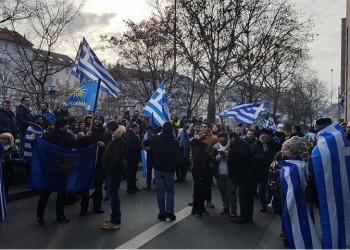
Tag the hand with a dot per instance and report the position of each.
(101, 143)
(33, 137)
(89, 133)
(81, 135)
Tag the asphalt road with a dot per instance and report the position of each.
(140, 227)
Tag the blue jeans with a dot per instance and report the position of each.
(165, 191)
(113, 184)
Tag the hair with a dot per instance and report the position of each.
(24, 98)
(134, 125)
(6, 102)
(297, 128)
(233, 135)
(251, 130)
(222, 134)
(208, 124)
(44, 102)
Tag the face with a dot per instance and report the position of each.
(286, 153)
(238, 130)
(250, 134)
(223, 141)
(197, 127)
(26, 102)
(232, 140)
(98, 122)
(348, 129)
(6, 106)
(215, 128)
(127, 125)
(40, 120)
(82, 125)
(136, 113)
(205, 129)
(4, 141)
(43, 107)
(265, 136)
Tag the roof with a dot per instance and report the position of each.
(55, 58)
(13, 36)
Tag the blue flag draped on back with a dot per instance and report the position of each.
(144, 158)
(2, 194)
(297, 213)
(87, 66)
(59, 169)
(84, 96)
(33, 128)
(331, 164)
(157, 107)
(245, 113)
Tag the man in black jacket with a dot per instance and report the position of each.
(240, 165)
(8, 120)
(165, 148)
(24, 117)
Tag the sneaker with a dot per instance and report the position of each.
(40, 221)
(196, 214)
(110, 225)
(63, 219)
(224, 211)
(191, 203)
(148, 186)
(171, 216)
(108, 220)
(205, 213)
(209, 204)
(162, 217)
(98, 211)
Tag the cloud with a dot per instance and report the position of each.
(88, 20)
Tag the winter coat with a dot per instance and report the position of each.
(210, 141)
(8, 123)
(263, 160)
(200, 159)
(133, 151)
(24, 117)
(113, 158)
(165, 148)
(240, 163)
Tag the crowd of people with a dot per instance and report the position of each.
(242, 161)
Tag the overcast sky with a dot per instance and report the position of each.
(106, 17)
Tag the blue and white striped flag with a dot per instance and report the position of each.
(157, 107)
(2, 195)
(331, 164)
(87, 66)
(36, 129)
(297, 213)
(245, 113)
(269, 124)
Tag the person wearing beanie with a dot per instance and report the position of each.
(291, 148)
(322, 123)
(113, 165)
(165, 148)
(59, 136)
(264, 150)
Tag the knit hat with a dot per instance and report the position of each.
(293, 144)
(60, 122)
(322, 123)
(112, 125)
(266, 131)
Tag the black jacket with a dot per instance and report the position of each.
(133, 142)
(24, 117)
(113, 158)
(240, 163)
(8, 123)
(165, 149)
(200, 159)
(60, 138)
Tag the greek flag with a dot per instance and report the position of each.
(88, 67)
(269, 124)
(245, 113)
(297, 213)
(331, 164)
(157, 107)
(28, 150)
(2, 195)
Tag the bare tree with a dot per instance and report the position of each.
(14, 10)
(34, 62)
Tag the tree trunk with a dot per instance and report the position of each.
(211, 105)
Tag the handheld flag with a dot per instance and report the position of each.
(331, 165)
(297, 213)
(59, 169)
(245, 113)
(85, 96)
(184, 142)
(33, 128)
(157, 106)
(87, 66)
(269, 124)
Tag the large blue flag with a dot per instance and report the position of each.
(245, 113)
(157, 107)
(331, 164)
(59, 169)
(2, 193)
(297, 213)
(84, 96)
(87, 66)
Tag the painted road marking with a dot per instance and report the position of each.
(154, 231)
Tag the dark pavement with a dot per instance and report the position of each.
(140, 227)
